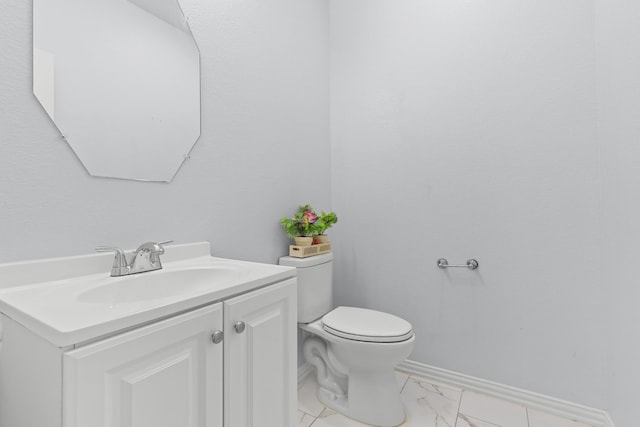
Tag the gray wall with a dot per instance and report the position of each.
(618, 66)
(508, 132)
(264, 146)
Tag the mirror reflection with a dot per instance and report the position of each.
(121, 81)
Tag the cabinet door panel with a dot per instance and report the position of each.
(261, 361)
(164, 375)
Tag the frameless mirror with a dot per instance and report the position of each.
(121, 81)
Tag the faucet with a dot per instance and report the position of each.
(145, 258)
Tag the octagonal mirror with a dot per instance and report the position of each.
(121, 81)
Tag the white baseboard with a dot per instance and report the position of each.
(596, 417)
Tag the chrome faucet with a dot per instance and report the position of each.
(145, 258)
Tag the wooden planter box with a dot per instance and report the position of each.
(306, 251)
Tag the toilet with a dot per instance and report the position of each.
(354, 350)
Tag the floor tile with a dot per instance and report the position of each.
(330, 418)
(305, 420)
(307, 399)
(492, 410)
(465, 421)
(402, 378)
(420, 378)
(433, 405)
(429, 405)
(543, 419)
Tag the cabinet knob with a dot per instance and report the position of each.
(239, 327)
(217, 337)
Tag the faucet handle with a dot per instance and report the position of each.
(147, 257)
(120, 259)
(153, 247)
(119, 262)
(158, 250)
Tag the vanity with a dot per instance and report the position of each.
(203, 342)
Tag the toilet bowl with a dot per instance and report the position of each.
(354, 350)
(356, 375)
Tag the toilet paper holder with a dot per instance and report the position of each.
(471, 264)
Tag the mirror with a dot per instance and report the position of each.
(121, 81)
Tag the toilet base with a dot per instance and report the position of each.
(372, 398)
(357, 378)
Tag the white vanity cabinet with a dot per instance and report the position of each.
(164, 375)
(168, 373)
(260, 353)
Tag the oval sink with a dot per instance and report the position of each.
(159, 284)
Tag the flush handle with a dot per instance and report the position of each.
(217, 337)
(239, 327)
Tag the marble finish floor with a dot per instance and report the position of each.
(434, 405)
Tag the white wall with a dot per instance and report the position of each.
(264, 126)
(467, 129)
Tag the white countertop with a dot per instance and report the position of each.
(56, 309)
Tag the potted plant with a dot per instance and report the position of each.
(302, 226)
(323, 223)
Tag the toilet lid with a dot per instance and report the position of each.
(361, 324)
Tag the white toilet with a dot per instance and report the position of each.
(354, 350)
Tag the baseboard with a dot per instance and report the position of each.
(596, 417)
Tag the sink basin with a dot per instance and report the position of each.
(72, 300)
(159, 284)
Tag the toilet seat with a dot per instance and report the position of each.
(360, 324)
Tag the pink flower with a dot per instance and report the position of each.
(310, 217)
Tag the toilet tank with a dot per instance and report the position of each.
(315, 294)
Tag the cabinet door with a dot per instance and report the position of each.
(261, 360)
(167, 374)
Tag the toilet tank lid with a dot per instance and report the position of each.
(311, 261)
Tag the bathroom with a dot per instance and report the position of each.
(497, 130)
